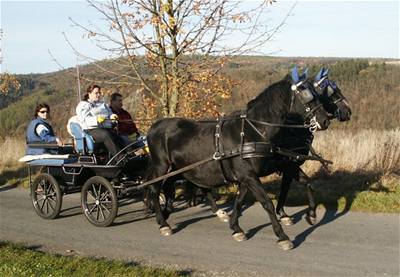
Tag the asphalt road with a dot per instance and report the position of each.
(350, 244)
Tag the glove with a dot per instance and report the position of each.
(101, 119)
(114, 117)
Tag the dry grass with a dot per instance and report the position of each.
(364, 151)
(11, 150)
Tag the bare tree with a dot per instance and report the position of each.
(175, 49)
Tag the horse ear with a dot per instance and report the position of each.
(304, 76)
(295, 74)
(321, 74)
(326, 71)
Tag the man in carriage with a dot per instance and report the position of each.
(126, 126)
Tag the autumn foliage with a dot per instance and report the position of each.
(7, 82)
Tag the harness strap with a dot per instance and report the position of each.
(296, 156)
(323, 162)
(219, 148)
(248, 150)
(243, 116)
(217, 155)
(173, 173)
(304, 126)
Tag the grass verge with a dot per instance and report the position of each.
(18, 260)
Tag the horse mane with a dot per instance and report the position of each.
(273, 100)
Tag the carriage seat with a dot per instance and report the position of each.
(83, 142)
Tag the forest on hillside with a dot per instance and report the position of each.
(371, 86)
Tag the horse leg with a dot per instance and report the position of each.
(311, 216)
(169, 193)
(280, 211)
(238, 233)
(148, 205)
(221, 214)
(155, 189)
(261, 196)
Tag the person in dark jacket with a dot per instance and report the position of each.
(126, 126)
(40, 131)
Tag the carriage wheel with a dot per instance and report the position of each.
(99, 201)
(46, 196)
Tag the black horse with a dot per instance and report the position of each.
(240, 146)
(298, 141)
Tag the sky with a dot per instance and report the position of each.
(366, 29)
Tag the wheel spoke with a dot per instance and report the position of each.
(102, 213)
(40, 199)
(44, 202)
(39, 190)
(52, 200)
(91, 195)
(92, 209)
(44, 186)
(99, 192)
(104, 196)
(47, 206)
(40, 195)
(48, 187)
(94, 191)
(105, 208)
(51, 206)
(97, 213)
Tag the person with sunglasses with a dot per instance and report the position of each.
(40, 131)
(96, 118)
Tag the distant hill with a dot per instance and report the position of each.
(372, 87)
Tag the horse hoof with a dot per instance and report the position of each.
(285, 244)
(166, 231)
(239, 236)
(311, 219)
(222, 215)
(286, 220)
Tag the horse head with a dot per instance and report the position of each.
(331, 96)
(305, 102)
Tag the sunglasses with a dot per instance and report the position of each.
(43, 111)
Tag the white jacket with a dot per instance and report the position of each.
(88, 112)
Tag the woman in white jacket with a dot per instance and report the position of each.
(95, 117)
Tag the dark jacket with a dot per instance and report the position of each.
(126, 126)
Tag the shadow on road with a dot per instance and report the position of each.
(335, 192)
(8, 187)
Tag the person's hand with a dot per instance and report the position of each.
(101, 119)
(114, 117)
(59, 142)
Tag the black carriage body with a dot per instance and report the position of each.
(100, 185)
(126, 168)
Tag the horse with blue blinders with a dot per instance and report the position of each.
(298, 141)
(237, 150)
(294, 145)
